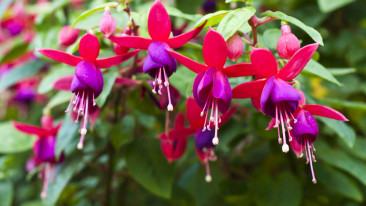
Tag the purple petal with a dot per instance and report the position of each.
(159, 57)
(203, 139)
(267, 106)
(205, 86)
(196, 82)
(44, 148)
(305, 128)
(25, 94)
(221, 90)
(282, 91)
(90, 75)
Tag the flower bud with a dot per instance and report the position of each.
(107, 24)
(235, 47)
(288, 43)
(67, 36)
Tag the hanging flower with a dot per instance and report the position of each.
(211, 88)
(44, 149)
(158, 63)
(87, 84)
(203, 137)
(68, 36)
(305, 129)
(271, 92)
(174, 143)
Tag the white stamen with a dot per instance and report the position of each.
(170, 107)
(208, 178)
(285, 148)
(215, 141)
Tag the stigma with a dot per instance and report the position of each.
(158, 85)
(284, 118)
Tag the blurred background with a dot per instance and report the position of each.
(122, 162)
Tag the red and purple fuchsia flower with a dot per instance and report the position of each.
(159, 64)
(272, 93)
(87, 83)
(44, 149)
(211, 88)
(305, 129)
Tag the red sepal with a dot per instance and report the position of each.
(324, 111)
(178, 41)
(29, 129)
(189, 63)
(297, 62)
(214, 49)
(60, 56)
(264, 62)
(194, 114)
(111, 61)
(158, 23)
(126, 81)
(249, 89)
(239, 70)
(131, 41)
(63, 83)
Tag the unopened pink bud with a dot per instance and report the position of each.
(47, 122)
(67, 36)
(107, 24)
(235, 47)
(288, 43)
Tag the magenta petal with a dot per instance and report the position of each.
(297, 62)
(60, 56)
(282, 91)
(178, 41)
(264, 62)
(221, 91)
(44, 148)
(324, 111)
(89, 47)
(63, 83)
(76, 85)
(197, 82)
(189, 63)
(205, 86)
(214, 49)
(305, 128)
(131, 41)
(266, 106)
(158, 22)
(159, 57)
(89, 75)
(112, 61)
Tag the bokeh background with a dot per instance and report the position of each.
(122, 163)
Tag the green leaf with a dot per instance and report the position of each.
(56, 73)
(183, 81)
(91, 18)
(148, 167)
(109, 80)
(315, 35)
(338, 182)
(341, 71)
(51, 9)
(18, 73)
(6, 193)
(66, 134)
(314, 68)
(342, 129)
(270, 37)
(331, 5)
(60, 98)
(62, 178)
(234, 20)
(3, 6)
(212, 18)
(172, 11)
(289, 190)
(15, 52)
(12, 140)
(341, 160)
(122, 132)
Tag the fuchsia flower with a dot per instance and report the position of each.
(203, 138)
(107, 25)
(174, 144)
(272, 91)
(305, 129)
(211, 88)
(288, 43)
(44, 149)
(158, 63)
(68, 36)
(87, 84)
